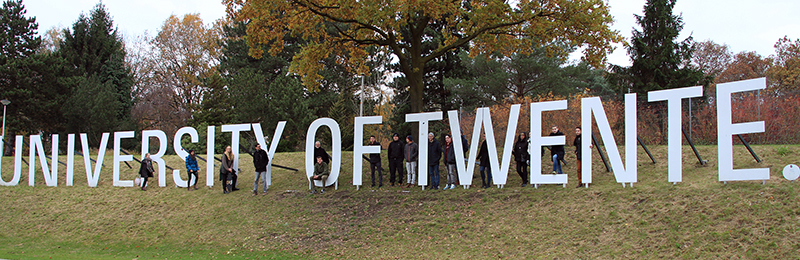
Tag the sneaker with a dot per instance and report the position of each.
(313, 191)
(524, 184)
(255, 193)
(321, 191)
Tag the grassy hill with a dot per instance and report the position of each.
(698, 218)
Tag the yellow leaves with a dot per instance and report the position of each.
(350, 26)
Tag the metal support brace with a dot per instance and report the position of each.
(697, 154)
(748, 148)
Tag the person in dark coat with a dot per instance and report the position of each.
(483, 156)
(319, 151)
(557, 152)
(260, 162)
(146, 170)
(375, 163)
(395, 154)
(450, 161)
(577, 143)
(191, 169)
(522, 157)
(434, 154)
(226, 171)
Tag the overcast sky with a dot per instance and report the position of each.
(744, 25)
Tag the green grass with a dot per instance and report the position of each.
(698, 218)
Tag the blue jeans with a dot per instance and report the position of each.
(433, 175)
(487, 178)
(556, 164)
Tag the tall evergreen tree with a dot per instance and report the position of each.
(259, 90)
(95, 55)
(658, 59)
(29, 80)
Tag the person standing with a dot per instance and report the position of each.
(450, 162)
(191, 169)
(483, 156)
(146, 170)
(375, 163)
(522, 157)
(465, 147)
(557, 152)
(321, 173)
(319, 151)
(395, 154)
(411, 152)
(578, 155)
(226, 171)
(260, 161)
(434, 154)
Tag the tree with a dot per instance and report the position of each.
(95, 58)
(657, 58)
(345, 29)
(259, 90)
(786, 72)
(30, 80)
(745, 65)
(187, 51)
(172, 71)
(495, 79)
(711, 58)
(18, 34)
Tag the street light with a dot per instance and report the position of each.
(3, 142)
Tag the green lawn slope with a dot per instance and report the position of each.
(697, 218)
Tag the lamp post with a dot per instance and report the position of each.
(3, 142)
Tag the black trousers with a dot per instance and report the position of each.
(522, 170)
(189, 182)
(396, 167)
(372, 168)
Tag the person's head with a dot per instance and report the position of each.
(578, 130)
(191, 152)
(371, 138)
(258, 147)
(409, 139)
(147, 156)
(228, 149)
(448, 139)
(522, 136)
(319, 159)
(430, 137)
(555, 129)
(317, 144)
(396, 137)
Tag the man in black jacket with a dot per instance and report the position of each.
(434, 154)
(320, 152)
(375, 163)
(557, 152)
(395, 154)
(260, 161)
